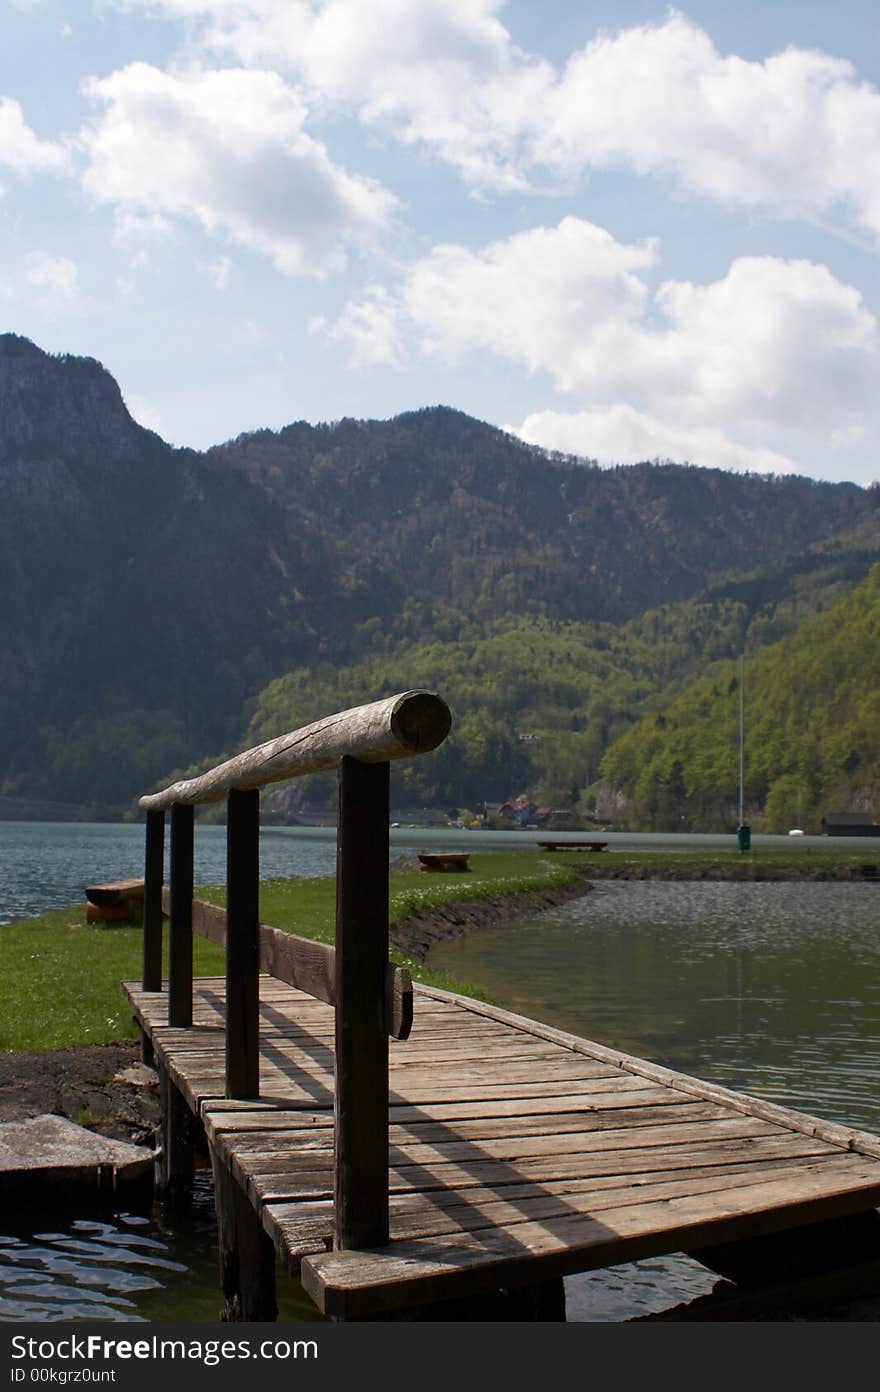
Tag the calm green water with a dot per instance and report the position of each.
(773, 989)
(127, 1267)
(47, 865)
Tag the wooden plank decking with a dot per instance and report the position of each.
(517, 1153)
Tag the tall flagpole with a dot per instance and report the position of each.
(741, 730)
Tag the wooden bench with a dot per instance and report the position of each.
(573, 845)
(117, 901)
(439, 860)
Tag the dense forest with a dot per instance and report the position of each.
(811, 705)
(555, 710)
(164, 607)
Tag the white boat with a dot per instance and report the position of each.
(795, 831)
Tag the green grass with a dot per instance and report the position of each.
(59, 980)
(60, 976)
(797, 855)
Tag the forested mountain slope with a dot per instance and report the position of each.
(538, 702)
(443, 519)
(150, 593)
(812, 732)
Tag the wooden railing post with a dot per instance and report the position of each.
(180, 953)
(154, 874)
(361, 1094)
(243, 943)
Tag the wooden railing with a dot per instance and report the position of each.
(372, 997)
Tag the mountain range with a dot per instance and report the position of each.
(164, 606)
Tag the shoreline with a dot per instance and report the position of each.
(844, 872)
(417, 933)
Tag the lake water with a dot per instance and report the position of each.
(770, 988)
(47, 865)
(765, 987)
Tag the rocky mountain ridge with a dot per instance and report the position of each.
(150, 593)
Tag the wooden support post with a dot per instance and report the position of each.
(243, 943)
(361, 1094)
(154, 874)
(175, 1157)
(180, 967)
(247, 1257)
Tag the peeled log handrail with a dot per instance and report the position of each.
(413, 722)
(372, 997)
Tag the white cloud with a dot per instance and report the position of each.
(443, 72)
(144, 412)
(558, 299)
(20, 149)
(42, 285)
(50, 284)
(56, 276)
(227, 149)
(795, 134)
(368, 327)
(773, 363)
(620, 434)
(773, 341)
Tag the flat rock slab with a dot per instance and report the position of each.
(137, 1075)
(50, 1157)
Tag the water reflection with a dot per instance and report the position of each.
(89, 1270)
(771, 988)
(127, 1267)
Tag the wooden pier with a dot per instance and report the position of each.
(412, 1153)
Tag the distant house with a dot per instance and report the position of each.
(850, 824)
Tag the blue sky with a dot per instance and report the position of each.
(623, 231)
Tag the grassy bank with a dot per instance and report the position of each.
(777, 863)
(795, 856)
(59, 976)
